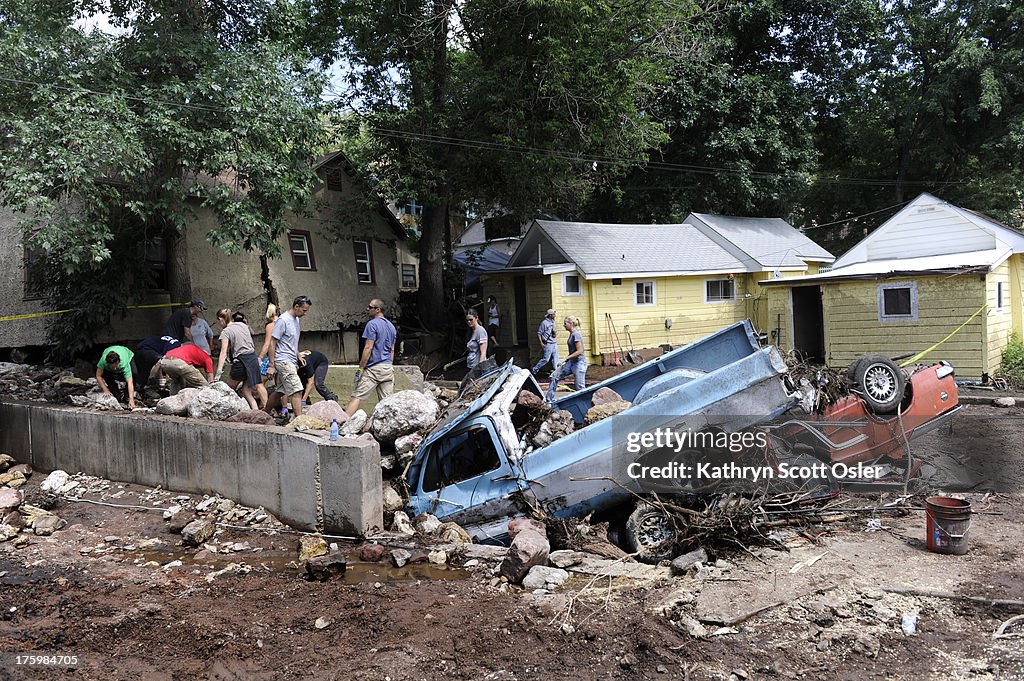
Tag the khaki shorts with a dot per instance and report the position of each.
(182, 373)
(379, 376)
(286, 378)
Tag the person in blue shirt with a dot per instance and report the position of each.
(376, 365)
(150, 351)
(547, 336)
(575, 364)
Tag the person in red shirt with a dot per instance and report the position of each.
(182, 365)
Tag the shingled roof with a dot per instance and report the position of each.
(770, 242)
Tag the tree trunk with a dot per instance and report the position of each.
(179, 279)
(431, 294)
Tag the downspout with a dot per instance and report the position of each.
(595, 346)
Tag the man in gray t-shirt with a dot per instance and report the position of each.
(202, 334)
(284, 354)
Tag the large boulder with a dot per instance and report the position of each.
(604, 396)
(307, 422)
(354, 424)
(97, 401)
(254, 416)
(327, 411)
(216, 402)
(557, 425)
(402, 413)
(544, 577)
(528, 549)
(177, 405)
(603, 411)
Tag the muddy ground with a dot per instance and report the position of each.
(107, 589)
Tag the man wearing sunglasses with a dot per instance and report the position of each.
(376, 369)
(284, 356)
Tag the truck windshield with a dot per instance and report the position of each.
(461, 456)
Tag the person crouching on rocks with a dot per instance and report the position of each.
(182, 366)
(236, 342)
(117, 362)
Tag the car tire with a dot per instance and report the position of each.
(650, 533)
(879, 382)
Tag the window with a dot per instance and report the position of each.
(364, 262)
(897, 302)
(35, 273)
(645, 293)
(408, 276)
(156, 262)
(719, 290)
(999, 296)
(460, 457)
(571, 285)
(301, 246)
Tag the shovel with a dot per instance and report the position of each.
(633, 357)
(616, 362)
(618, 342)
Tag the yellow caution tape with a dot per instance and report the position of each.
(955, 331)
(73, 309)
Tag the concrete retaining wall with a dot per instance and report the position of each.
(306, 481)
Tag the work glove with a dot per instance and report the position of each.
(359, 377)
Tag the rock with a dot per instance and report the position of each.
(46, 525)
(437, 557)
(322, 623)
(177, 405)
(70, 383)
(1004, 402)
(693, 627)
(392, 500)
(566, 558)
(682, 564)
(401, 524)
(327, 411)
(198, 531)
(22, 468)
(216, 402)
(54, 482)
(311, 546)
(452, 533)
(371, 553)
(605, 396)
(544, 577)
(12, 479)
(557, 425)
(6, 461)
(97, 401)
(427, 524)
(354, 424)
(599, 413)
(517, 525)
(528, 400)
(8, 532)
(399, 557)
(408, 444)
(402, 413)
(307, 422)
(866, 645)
(326, 568)
(10, 499)
(254, 416)
(529, 548)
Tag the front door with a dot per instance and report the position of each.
(808, 323)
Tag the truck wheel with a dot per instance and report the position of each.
(650, 533)
(880, 383)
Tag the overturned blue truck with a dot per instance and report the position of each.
(478, 469)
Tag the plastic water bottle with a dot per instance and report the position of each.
(335, 431)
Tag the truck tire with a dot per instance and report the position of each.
(650, 533)
(879, 382)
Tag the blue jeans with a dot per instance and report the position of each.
(576, 367)
(550, 355)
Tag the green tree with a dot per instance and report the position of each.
(112, 140)
(523, 105)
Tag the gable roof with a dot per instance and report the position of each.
(340, 159)
(929, 226)
(604, 251)
(763, 243)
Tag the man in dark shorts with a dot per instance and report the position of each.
(313, 368)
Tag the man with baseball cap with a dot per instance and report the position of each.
(179, 324)
(546, 336)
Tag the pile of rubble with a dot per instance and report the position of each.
(20, 517)
(42, 383)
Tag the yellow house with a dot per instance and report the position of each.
(642, 286)
(932, 270)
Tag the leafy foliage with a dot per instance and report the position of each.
(1012, 366)
(114, 141)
